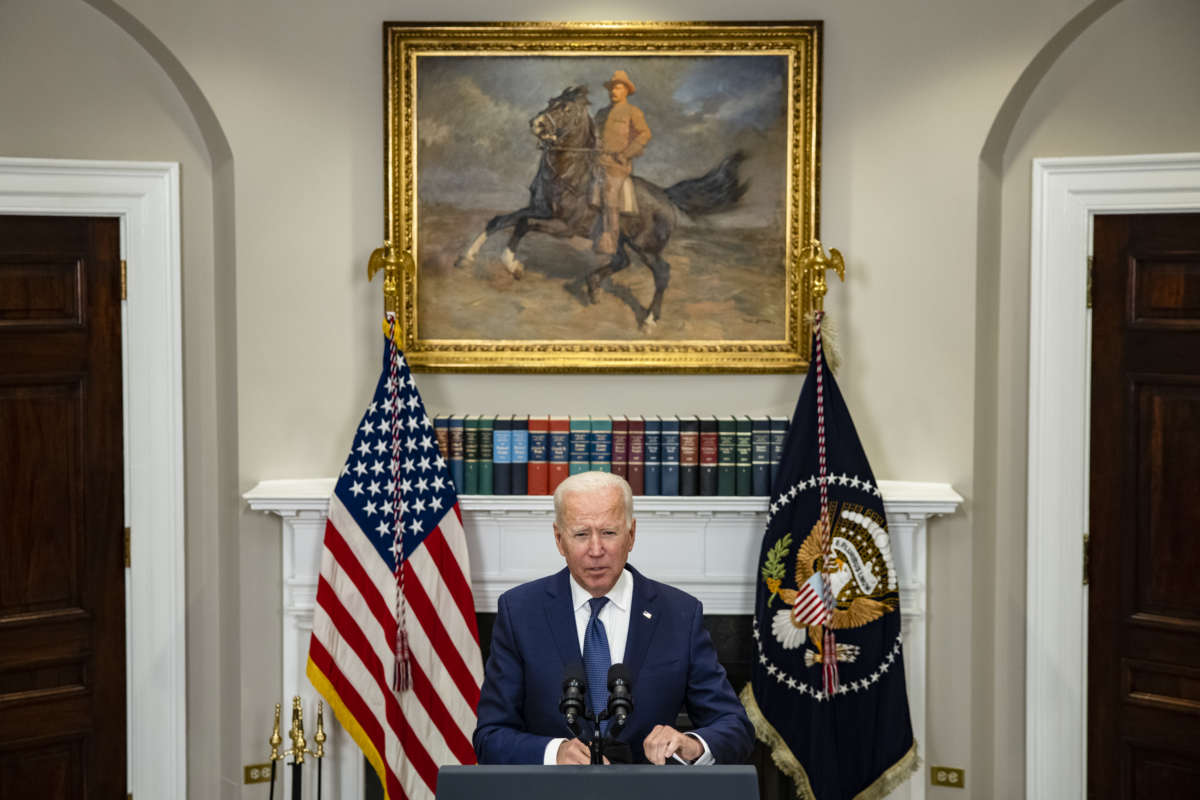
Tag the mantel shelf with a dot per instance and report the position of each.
(290, 496)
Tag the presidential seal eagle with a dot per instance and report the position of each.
(862, 582)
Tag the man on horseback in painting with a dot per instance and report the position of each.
(579, 152)
(623, 136)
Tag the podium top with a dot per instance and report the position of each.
(626, 782)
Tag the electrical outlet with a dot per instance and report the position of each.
(948, 776)
(257, 773)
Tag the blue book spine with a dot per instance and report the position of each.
(760, 456)
(502, 456)
(457, 473)
(520, 455)
(669, 448)
(653, 456)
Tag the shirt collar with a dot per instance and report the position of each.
(621, 595)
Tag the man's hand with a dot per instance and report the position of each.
(664, 741)
(573, 751)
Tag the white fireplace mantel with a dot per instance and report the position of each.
(707, 546)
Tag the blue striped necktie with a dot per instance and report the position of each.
(596, 659)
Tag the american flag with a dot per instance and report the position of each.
(394, 522)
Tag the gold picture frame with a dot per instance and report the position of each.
(467, 126)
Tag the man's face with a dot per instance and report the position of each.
(618, 92)
(594, 539)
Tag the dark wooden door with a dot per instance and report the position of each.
(62, 607)
(1144, 598)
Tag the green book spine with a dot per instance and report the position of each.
(486, 469)
(600, 444)
(726, 456)
(760, 456)
(742, 470)
(471, 454)
(580, 445)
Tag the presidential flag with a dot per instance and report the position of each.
(827, 693)
(395, 649)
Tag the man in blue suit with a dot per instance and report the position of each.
(602, 611)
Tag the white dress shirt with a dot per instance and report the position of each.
(615, 617)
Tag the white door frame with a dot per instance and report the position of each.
(1067, 194)
(144, 197)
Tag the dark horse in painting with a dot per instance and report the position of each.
(561, 199)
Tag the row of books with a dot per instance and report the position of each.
(705, 456)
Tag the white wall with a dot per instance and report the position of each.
(280, 325)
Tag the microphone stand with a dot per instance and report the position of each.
(596, 745)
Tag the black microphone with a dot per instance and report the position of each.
(620, 694)
(574, 690)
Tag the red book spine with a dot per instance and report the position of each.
(620, 447)
(708, 448)
(538, 468)
(637, 455)
(560, 467)
(689, 456)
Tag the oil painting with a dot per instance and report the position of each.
(629, 198)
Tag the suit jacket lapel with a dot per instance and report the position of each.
(642, 620)
(560, 616)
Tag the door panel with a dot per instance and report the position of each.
(62, 670)
(1144, 607)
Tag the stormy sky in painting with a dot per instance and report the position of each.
(475, 149)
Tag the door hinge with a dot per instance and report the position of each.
(1090, 263)
(125, 285)
(1086, 558)
(127, 547)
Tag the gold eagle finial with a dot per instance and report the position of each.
(813, 261)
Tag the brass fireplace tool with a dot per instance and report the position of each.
(299, 747)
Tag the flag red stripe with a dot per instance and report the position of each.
(442, 644)
(456, 739)
(454, 736)
(450, 657)
(452, 575)
(354, 703)
(346, 559)
(353, 636)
